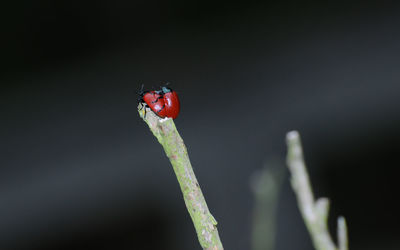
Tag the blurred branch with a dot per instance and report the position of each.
(265, 184)
(315, 213)
(167, 135)
(342, 234)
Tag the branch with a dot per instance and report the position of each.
(167, 135)
(315, 213)
(266, 184)
(342, 234)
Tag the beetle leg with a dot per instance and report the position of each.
(143, 106)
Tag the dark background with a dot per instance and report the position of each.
(80, 170)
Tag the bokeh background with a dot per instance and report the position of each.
(80, 170)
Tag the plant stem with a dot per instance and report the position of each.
(266, 184)
(314, 213)
(167, 135)
(342, 234)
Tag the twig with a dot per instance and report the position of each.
(315, 213)
(342, 234)
(266, 184)
(167, 135)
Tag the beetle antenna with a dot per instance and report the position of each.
(140, 93)
(140, 90)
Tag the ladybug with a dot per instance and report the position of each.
(171, 102)
(163, 102)
(155, 102)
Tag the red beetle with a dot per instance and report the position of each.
(155, 102)
(171, 102)
(164, 102)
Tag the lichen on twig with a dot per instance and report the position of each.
(314, 212)
(167, 135)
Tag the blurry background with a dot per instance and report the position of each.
(80, 170)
